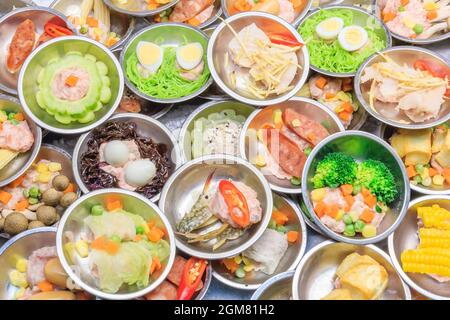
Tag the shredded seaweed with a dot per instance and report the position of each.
(331, 56)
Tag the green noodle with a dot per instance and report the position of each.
(331, 56)
(167, 82)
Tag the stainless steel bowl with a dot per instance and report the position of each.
(186, 184)
(300, 12)
(289, 261)
(249, 141)
(121, 24)
(278, 287)
(361, 18)
(147, 127)
(434, 39)
(166, 34)
(8, 26)
(402, 55)
(8, 6)
(205, 110)
(72, 221)
(406, 237)
(386, 133)
(55, 48)
(23, 161)
(361, 146)
(365, 4)
(140, 13)
(316, 272)
(218, 47)
(21, 246)
(298, 200)
(217, 12)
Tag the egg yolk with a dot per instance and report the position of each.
(330, 25)
(353, 36)
(190, 53)
(149, 53)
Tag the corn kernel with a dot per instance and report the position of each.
(82, 248)
(369, 231)
(19, 293)
(277, 119)
(238, 259)
(18, 279)
(318, 194)
(21, 265)
(42, 168)
(54, 166)
(430, 6)
(248, 268)
(44, 177)
(438, 180)
(425, 174)
(296, 123)
(339, 215)
(260, 161)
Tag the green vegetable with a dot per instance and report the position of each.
(378, 209)
(14, 122)
(11, 115)
(347, 219)
(296, 181)
(34, 192)
(272, 224)
(419, 168)
(349, 230)
(97, 210)
(307, 151)
(375, 176)
(356, 189)
(418, 28)
(281, 229)
(84, 29)
(240, 272)
(334, 170)
(33, 200)
(417, 179)
(140, 230)
(359, 225)
(401, 9)
(116, 238)
(25, 193)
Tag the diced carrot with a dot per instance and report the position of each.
(21, 205)
(432, 172)
(365, 191)
(332, 211)
(344, 115)
(45, 286)
(111, 41)
(367, 216)
(152, 6)
(411, 171)
(5, 196)
(346, 189)
(320, 208)
(350, 200)
(155, 266)
(279, 217)
(194, 22)
(105, 244)
(292, 236)
(329, 95)
(113, 203)
(155, 234)
(370, 200)
(347, 106)
(404, 2)
(151, 224)
(431, 15)
(70, 188)
(71, 81)
(446, 174)
(17, 182)
(92, 22)
(111, 247)
(19, 116)
(230, 264)
(388, 16)
(321, 82)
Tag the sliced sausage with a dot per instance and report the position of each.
(307, 129)
(21, 45)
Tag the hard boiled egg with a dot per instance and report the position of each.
(190, 55)
(353, 38)
(149, 55)
(116, 153)
(329, 28)
(138, 173)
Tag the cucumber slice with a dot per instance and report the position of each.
(90, 57)
(105, 95)
(87, 118)
(64, 119)
(102, 68)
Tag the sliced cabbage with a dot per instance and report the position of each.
(112, 224)
(161, 249)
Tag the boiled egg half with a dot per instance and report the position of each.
(329, 28)
(138, 173)
(190, 55)
(150, 55)
(353, 38)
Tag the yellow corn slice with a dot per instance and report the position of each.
(434, 238)
(434, 217)
(426, 269)
(429, 261)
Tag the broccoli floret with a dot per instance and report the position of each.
(334, 170)
(375, 176)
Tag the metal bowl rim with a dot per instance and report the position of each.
(81, 140)
(82, 129)
(239, 97)
(98, 292)
(396, 263)
(252, 116)
(292, 267)
(404, 206)
(376, 115)
(143, 13)
(270, 282)
(144, 96)
(23, 234)
(262, 224)
(382, 25)
(315, 249)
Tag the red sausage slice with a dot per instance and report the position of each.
(307, 129)
(21, 45)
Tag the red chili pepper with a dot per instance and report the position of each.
(192, 275)
(55, 31)
(234, 199)
(284, 39)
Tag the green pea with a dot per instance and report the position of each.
(347, 219)
(116, 238)
(272, 224)
(359, 226)
(378, 209)
(11, 115)
(418, 28)
(418, 179)
(33, 200)
(281, 229)
(240, 272)
(97, 210)
(419, 168)
(34, 192)
(84, 30)
(307, 151)
(140, 230)
(349, 230)
(296, 181)
(14, 122)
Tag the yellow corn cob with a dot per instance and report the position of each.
(427, 269)
(429, 261)
(434, 217)
(434, 238)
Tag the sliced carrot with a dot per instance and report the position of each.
(230, 264)
(321, 82)
(329, 95)
(155, 234)
(404, 2)
(45, 286)
(431, 15)
(70, 188)
(113, 202)
(365, 191)
(194, 22)
(279, 217)
(111, 41)
(370, 200)
(388, 16)
(19, 116)
(92, 22)
(21, 205)
(71, 81)
(105, 244)
(17, 182)
(432, 172)
(350, 200)
(292, 236)
(5, 196)
(411, 171)
(320, 208)
(344, 115)
(347, 106)
(155, 266)
(332, 211)
(367, 216)
(446, 174)
(346, 189)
